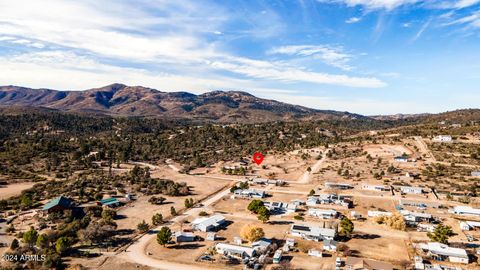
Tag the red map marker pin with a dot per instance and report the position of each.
(258, 158)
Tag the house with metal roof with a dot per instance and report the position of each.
(322, 213)
(442, 252)
(465, 210)
(312, 232)
(410, 189)
(238, 251)
(206, 224)
(184, 237)
(60, 203)
(280, 207)
(109, 202)
(249, 193)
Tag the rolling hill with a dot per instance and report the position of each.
(123, 100)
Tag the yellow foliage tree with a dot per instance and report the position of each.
(251, 232)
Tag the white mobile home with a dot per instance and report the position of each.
(465, 210)
(312, 232)
(235, 250)
(443, 252)
(206, 224)
(372, 213)
(322, 213)
(469, 225)
(442, 138)
(375, 187)
(410, 189)
(249, 193)
(279, 207)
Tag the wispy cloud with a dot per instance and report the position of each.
(353, 20)
(374, 4)
(333, 56)
(472, 20)
(421, 30)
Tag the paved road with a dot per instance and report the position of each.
(305, 178)
(137, 253)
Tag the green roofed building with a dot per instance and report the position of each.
(110, 202)
(58, 204)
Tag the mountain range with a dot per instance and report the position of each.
(219, 106)
(122, 100)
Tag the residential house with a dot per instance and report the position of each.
(279, 207)
(315, 253)
(419, 204)
(401, 159)
(184, 237)
(109, 202)
(410, 189)
(475, 173)
(330, 245)
(426, 227)
(261, 245)
(465, 210)
(354, 263)
(372, 213)
(237, 251)
(312, 232)
(58, 204)
(322, 213)
(375, 187)
(206, 224)
(442, 138)
(469, 225)
(329, 199)
(415, 217)
(442, 252)
(249, 193)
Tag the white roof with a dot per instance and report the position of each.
(473, 223)
(409, 187)
(313, 231)
(235, 248)
(442, 249)
(213, 220)
(415, 214)
(186, 234)
(322, 211)
(466, 210)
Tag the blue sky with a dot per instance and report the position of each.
(363, 56)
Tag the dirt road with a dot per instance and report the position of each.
(305, 178)
(424, 148)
